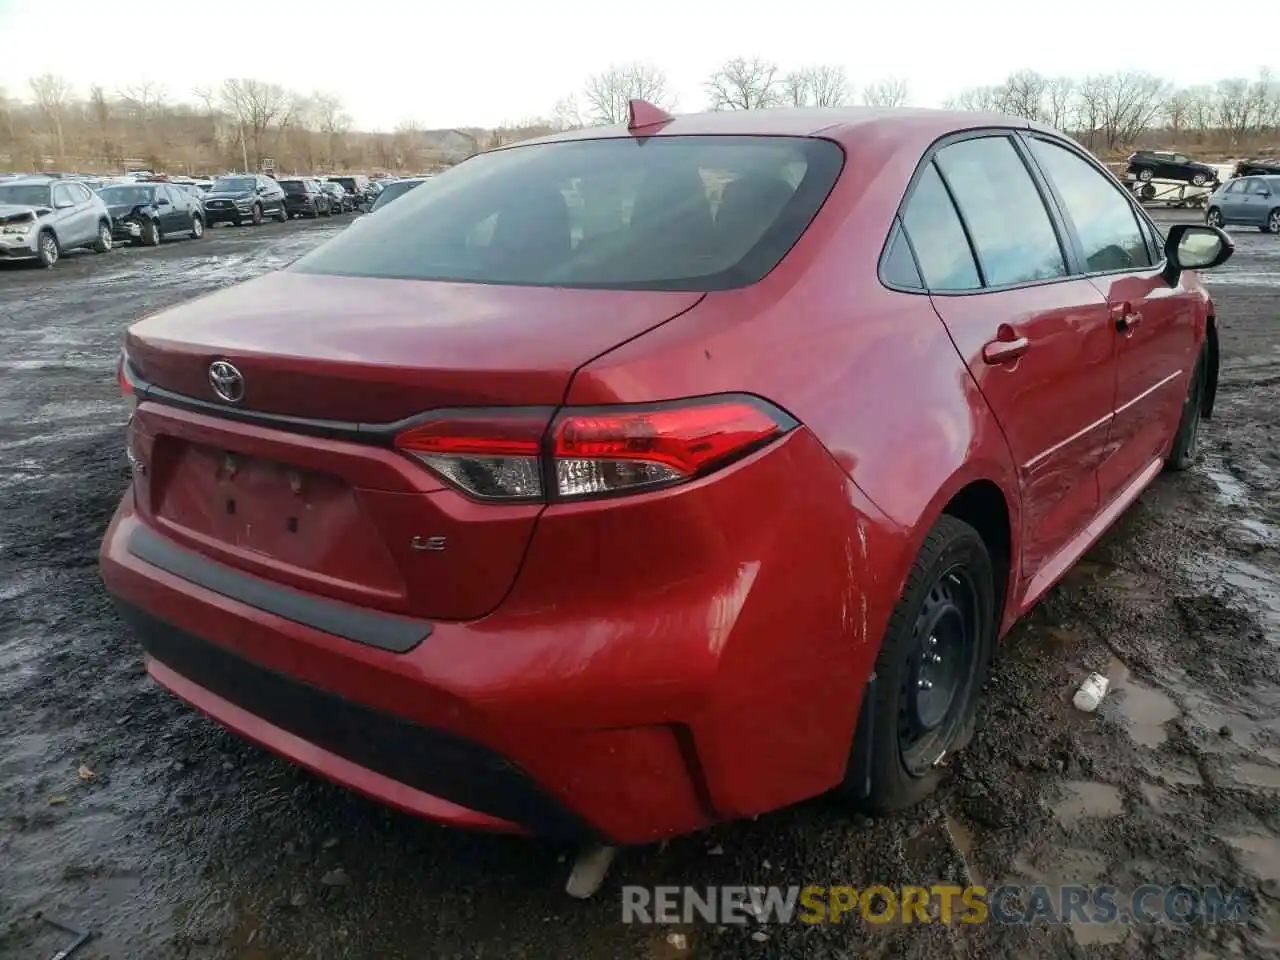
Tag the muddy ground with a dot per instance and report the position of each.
(187, 843)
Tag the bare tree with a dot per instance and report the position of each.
(1176, 110)
(1201, 108)
(1130, 102)
(256, 107)
(797, 88)
(744, 83)
(53, 96)
(886, 93)
(1059, 101)
(144, 100)
(609, 94)
(566, 114)
(99, 112)
(979, 100)
(1091, 105)
(1024, 94)
(828, 86)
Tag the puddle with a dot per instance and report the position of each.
(1230, 490)
(1175, 771)
(1145, 709)
(1087, 798)
(1063, 867)
(1256, 775)
(1259, 853)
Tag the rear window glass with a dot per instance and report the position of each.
(664, 213)
(293, 186)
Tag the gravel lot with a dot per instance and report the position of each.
(187, 843)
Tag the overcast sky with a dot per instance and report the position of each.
(485, 62)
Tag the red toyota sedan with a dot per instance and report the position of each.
(634, 479)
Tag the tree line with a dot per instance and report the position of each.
(243, 121)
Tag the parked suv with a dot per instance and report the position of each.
(146, 213)
(360, 188)
(40, 217)
(1155, 165)
(244, 198)
(305, 198)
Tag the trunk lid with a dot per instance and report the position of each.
(377, 351)
(356, 522)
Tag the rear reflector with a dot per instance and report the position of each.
(516, 455)
(122, 376)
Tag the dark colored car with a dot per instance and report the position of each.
(305, 198)
(1246, 201)
(244, 198)
(1158, 165)
(360, 188)
(1253, 168)
(341, 201)
(394, 189)
(620, 484)
(146, 213)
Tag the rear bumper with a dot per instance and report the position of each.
(624, 699)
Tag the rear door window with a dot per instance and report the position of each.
(937, 236)
(1104, 219)
(678, 213)
(1002, 207)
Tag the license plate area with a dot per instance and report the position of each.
(237, 506)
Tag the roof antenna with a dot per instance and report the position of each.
(642, 113)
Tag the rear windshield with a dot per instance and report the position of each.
(393, 190)
(344, 181)
(293, 186)
(234, 184)
(664, 213)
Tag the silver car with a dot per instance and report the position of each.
(41, 217)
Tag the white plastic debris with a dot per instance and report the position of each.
(589, 871)
(1091, 692)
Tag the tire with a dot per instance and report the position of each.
(257, 214)
(1213, 217)
(1198, 180)
(283, 215)
(1145, 174)
(197, 227)
(930, 670)
(1186, 442)
(103, 243)
(47, 249)
(150, 234)
(1273, 222)
(328, 210)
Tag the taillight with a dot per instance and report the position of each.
(122, 377)
(518, 455)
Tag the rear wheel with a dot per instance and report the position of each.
(47, 249)
(282, 215)
(197, 227)
(1146, 173)
(1186, 442)
(1273, 222)
(103, 243)
(930, 670)
(1214, 217)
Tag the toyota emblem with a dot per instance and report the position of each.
(227, 381)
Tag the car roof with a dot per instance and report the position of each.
(834, 123)
(32, 181)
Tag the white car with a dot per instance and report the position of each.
(41, 217)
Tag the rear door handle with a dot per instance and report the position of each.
(1004, 351)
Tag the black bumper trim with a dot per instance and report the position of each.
(382, 630)
(433, 761)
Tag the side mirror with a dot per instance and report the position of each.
(63, 205)
(162, 201)
(1194, 246)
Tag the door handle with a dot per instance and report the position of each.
(1004, 351)
(1125, 316)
